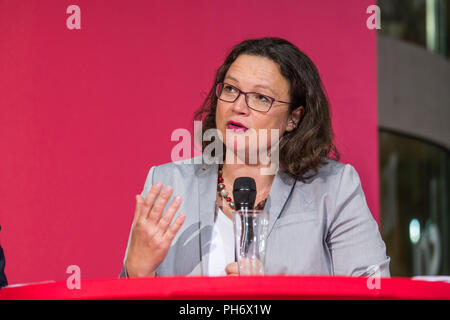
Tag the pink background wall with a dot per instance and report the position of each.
(85, 113)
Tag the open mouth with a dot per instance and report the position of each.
(236, 126)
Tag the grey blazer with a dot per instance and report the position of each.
(319, 227)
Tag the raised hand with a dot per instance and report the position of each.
(151, 232)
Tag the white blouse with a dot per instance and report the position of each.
(222, 245)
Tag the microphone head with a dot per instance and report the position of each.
(244, 193)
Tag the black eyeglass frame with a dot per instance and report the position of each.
(272, 100)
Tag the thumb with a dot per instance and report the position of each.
(232, 269)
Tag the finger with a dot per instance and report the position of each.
(173, 229)
(139, 206)
(232, 269)
(166, 219)
(159, 205)
(150, 199)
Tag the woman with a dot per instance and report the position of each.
(319, 219)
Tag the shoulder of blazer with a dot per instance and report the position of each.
(185, 169)
(327, 173)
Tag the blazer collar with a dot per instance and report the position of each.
(207, 186)
(282, 187)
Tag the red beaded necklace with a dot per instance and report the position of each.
(224, 194)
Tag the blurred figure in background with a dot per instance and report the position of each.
(3, 281)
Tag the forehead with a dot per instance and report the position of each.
(251, 71)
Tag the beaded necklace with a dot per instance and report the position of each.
(224, 193)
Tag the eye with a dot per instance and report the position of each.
(263, 98)
(229, 88)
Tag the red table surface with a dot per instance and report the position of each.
(248, 288)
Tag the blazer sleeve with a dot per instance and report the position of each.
(147, 186)
(3, 280)
(353, 237)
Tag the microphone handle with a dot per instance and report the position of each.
(247, 234)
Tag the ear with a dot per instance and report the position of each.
(294, 118)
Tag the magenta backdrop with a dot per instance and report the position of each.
(85, 113)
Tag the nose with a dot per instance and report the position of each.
(240, 105)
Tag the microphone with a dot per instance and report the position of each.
(244, 193)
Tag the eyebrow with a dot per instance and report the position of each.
(256, 86)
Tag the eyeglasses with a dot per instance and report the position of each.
(256, 101)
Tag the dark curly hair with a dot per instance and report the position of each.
(304, 149)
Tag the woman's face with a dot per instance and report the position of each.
(255, 74)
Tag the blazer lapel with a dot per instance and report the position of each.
(207, 187)
(279, 193)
